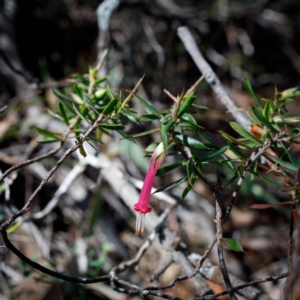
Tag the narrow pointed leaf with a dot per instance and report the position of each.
(112, 126)
(126, 137)
(293, 160)
(213, 154)
(145, 133)
(192, 143)
(232, 139)
(82, 151)
(188, 188)
(283, 163)
(166, 169)
(61, 95)
(110, 107)
(239, 129)
(148, 117)
(81, 79)
(62, 111)
(267, 111)
(187, 102)
(90, 103)
(55, 115)
(148, 106)
(164, 137)
(48, 134)
(109, 92)
(265, 178)
(258, 114)
(251, 92)
(199, 106)
(171, 185)
(237, 151)
(99, 80)
(48, 141)
(81, 116)
(232, 244)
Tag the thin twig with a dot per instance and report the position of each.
(47, 271)
(27, 205)
(210, 76)
(3, 109)
(218, 191)
(28, 162)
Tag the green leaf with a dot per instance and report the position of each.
(61, 96)
(283, 163)
(148, 106)
(131, 117)
(267, 179)
(48, 141)
(187, 126)
(190, 171)
(294, 132)
(81, 79)
(187, 102)
(165, 129)
(199, 106)
(87, 100)
(252, 170)
(213, 154)
(82, 151)
(293, 160)
(237, 152)
(48, 134)
(258, 114)
(112, 126)
(100, 94)
(166, 169)
(188, 118)
(192, 143)
(251, 92)
(188, 188)
(148, 117)
(55, 115)
(110, 107)
(267, 111)
(232, 244)
(145, 132)
(99, 80)
(81, 116)
(62, 111)
(109, 93)
(164, 137)
(126, 137)
(171, 185)
(240, 130)
(232, 139)
(77, 91)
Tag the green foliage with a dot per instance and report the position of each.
(232, 244)
(181, 133)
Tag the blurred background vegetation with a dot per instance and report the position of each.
(44, 42)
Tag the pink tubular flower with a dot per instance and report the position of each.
(142, 207)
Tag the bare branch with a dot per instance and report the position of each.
(210, 76)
